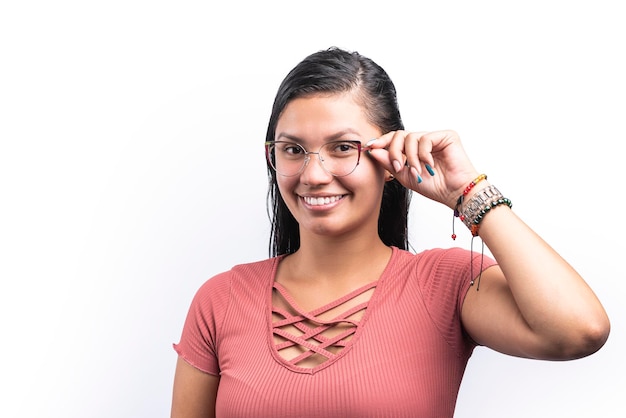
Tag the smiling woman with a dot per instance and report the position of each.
(342, 319)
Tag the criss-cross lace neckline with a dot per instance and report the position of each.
(311, 339)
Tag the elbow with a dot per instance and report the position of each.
(596, 336)
(588, 338)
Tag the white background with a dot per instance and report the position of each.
(132, 170)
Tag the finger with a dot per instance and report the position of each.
(426, 148)
(381, 142)
(381, 156)
(396, 151)
(377, 149)
(411, 149)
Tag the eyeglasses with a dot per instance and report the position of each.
(338, 158)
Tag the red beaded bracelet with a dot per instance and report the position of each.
(459, 202)
(474, 183)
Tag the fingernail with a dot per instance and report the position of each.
(370, 142)
(430, 170)
(397, 166)
(416, 174)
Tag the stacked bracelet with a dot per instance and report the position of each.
(478, 202)
(473, 211)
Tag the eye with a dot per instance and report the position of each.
(289, 149)
(293, 149)
(342, 148)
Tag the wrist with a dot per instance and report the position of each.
(462, 195)
(476, 202)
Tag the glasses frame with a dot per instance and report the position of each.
(307, 156)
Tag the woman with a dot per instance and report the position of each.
(343, 321)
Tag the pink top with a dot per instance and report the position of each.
(404, 356)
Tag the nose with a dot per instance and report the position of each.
(314, 174)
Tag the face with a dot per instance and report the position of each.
(322, 203)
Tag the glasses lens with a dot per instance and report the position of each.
(340, 158)
(287, 158)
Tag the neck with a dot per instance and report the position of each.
(333, 258)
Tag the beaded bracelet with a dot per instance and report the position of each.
(469, 187)
(474, 183)
(475, 223)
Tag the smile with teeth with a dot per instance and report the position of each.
(320, 201)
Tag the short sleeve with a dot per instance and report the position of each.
(199, 340)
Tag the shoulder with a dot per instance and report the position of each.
(219, 288)
(255, 269)
(439, 269)
(436, 258)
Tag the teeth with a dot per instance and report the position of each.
(319, 201)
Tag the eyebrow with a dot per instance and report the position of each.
(332, 137)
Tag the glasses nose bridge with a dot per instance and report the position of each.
(307, 158)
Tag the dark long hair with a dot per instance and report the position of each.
(338, 71)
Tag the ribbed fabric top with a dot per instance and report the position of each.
(404, 356)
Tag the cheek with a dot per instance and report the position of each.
(375, 171)
(284, 182)
(377, 179)
(286, 186)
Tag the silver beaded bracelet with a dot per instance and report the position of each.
(482, 199)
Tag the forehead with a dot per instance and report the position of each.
(324, 115)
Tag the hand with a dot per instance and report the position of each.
(408, 155)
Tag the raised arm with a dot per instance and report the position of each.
(533, 303)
